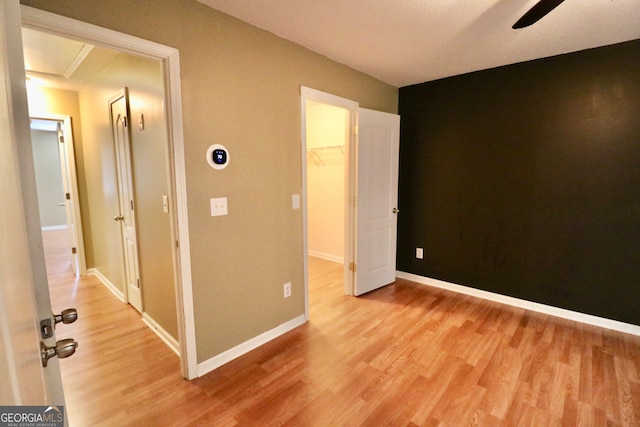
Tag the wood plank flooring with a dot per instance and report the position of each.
(405, 355)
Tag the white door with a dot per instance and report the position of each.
(23, 293)
(376, 199)
(68, 202)
(119, 106)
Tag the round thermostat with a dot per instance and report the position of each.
(217, 156)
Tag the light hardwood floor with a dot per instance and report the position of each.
(404, 355)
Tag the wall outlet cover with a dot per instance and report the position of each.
(287, 289)
(219, 206)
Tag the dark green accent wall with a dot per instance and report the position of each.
(524, 180)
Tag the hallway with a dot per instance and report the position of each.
(121, 369)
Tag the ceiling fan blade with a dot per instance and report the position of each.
(537, 12)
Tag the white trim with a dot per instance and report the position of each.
(40, 20)
(162, 333)
(237, 351)
(527, 305)
(184, 285)
(103, 279)
(71, 28)
(54, 227)
(328, 257)
(78, 60)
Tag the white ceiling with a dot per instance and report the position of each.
(404, 42)
(59, 62)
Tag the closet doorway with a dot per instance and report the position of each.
(327, 135)
(327, 131)
(329, 125)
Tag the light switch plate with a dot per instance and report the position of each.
(295, 201)
(219, 206)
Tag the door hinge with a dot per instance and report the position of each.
(61, 139)
(352, 266)
(138, 282)
(67, 196)
(177, 243)
(74, 250)
(131, 204)
(124, 121)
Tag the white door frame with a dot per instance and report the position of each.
(70, 157)
(308, 94)
(170, 60)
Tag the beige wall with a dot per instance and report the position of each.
(149, 163)
(240, 88)
(327, 126)
(43, 101)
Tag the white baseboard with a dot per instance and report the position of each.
(113, 288)
(328, 257)
(54, 227)
(527, 305)
(162, 333)
(237, 351)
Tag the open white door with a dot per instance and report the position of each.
(119, 107)
(24, 296)
(377, 198)
(67, 201)
(70, 187)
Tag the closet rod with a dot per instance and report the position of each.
(328, 147)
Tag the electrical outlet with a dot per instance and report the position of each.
(287, 289)
(219, 206)
(419, 253)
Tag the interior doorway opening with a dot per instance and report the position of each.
(57, 186)
(328, 138)
(166, 60)
(327, 131)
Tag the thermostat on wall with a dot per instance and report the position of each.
(217, 156)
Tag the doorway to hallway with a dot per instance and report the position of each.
(171, 161)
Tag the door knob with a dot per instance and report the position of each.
(396, 210)
(63, 348)
(118, 218)
(67, 316)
